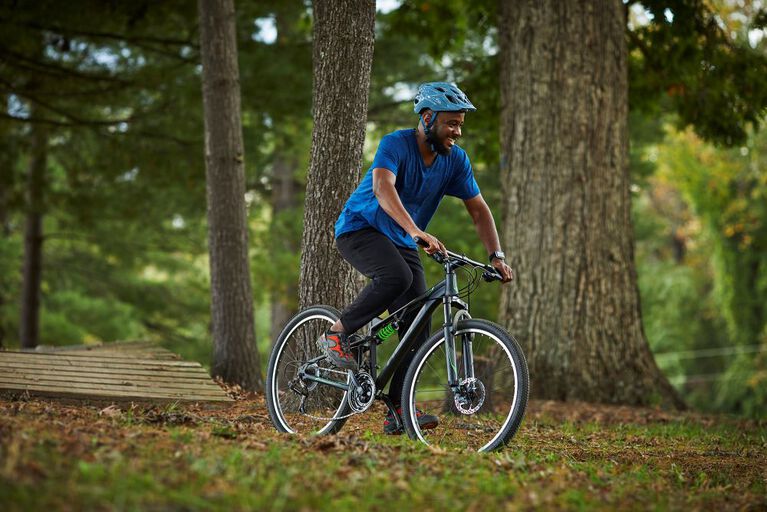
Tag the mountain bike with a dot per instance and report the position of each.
(472, 373)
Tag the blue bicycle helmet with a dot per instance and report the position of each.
(441, 97)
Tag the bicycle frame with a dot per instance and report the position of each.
(445, 292)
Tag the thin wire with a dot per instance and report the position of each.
(713, 352)
(471, 285)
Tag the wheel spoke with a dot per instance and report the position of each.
(301, 405)
(485, 411)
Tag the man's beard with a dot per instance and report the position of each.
(437, 144)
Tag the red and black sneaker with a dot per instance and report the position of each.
(425, 422)
(335, 346)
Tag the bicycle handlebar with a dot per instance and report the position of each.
(489, 273)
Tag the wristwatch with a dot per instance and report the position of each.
(497, 255)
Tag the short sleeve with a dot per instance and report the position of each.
(387, 155)
(462, 184)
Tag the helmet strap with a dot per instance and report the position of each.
(427, 129)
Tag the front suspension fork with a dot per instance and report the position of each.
(449, 328)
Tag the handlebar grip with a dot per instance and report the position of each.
(420, 241)
(489, 276)
(437, 256)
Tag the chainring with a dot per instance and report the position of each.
(362, 392)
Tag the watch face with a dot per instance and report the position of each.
(497, 255)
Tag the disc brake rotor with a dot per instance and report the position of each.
(470, 396)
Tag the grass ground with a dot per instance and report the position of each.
(56, 456)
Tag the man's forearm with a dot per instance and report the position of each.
(485, 225)
(392, 205)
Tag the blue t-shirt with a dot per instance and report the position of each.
(420, 188)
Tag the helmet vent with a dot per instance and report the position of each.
(441, 97)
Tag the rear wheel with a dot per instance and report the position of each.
(484, 411)
(296, 353)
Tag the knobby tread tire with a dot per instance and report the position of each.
(510, 429)
(333, 426)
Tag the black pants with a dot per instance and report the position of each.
(396, 277)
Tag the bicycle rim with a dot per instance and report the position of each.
(497, 414)
(323, 403)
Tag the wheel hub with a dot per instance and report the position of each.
(470, 396)
(309, 369)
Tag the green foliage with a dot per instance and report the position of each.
(123, 193)
(105, 320)
(685, 58)
(700, 226)
(726, 188)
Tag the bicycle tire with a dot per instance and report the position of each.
(464, 430)
(299, 336)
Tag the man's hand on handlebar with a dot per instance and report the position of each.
(506, 273)
(429, 243)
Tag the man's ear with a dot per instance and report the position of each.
(427, 115)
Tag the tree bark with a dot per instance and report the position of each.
(343, 56)
(284, 198)
(567, 212)
(29, 324)
(5, 232)
(235, 357)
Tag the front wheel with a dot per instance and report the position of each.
(484, 410)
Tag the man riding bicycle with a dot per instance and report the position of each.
(412, 171)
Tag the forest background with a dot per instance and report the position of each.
(112, 93)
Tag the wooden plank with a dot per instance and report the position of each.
(98, 390)
(118, 343)
(125, 393)
(27, 376)
(114, 378)
(125, 372)
(112, 395)
(127, 347)
(170, 370)
(120, 390)
(128, 391)
(88, 363)
(121, 354)
(79, 358)
(150, 350)
(190, 373)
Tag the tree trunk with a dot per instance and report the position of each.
(235, 357)
(343, 55)
(567, 212)
(5, 232)
(29, 323)
(284, 198)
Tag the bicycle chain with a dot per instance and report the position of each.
(338, 417)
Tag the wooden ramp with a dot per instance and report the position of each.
(120, 372)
